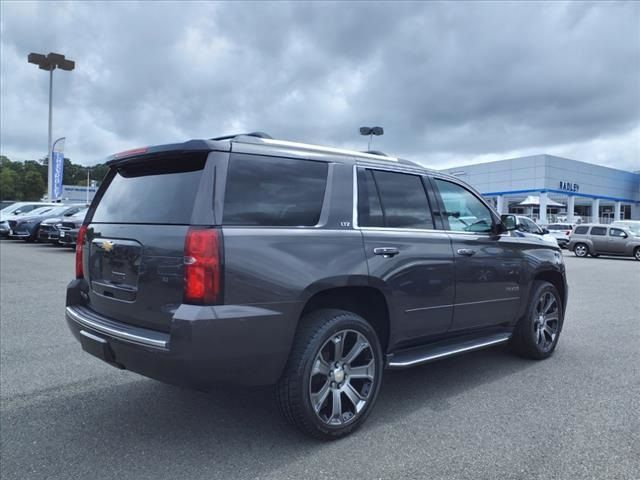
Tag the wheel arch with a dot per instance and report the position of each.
(556, 278)
(364, 300)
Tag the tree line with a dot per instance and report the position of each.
(28, 180)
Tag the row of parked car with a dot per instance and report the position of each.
(44, 222)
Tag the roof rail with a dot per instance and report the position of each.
(375, 152)
(252, 134)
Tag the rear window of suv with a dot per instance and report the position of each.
(598, 230)
(160, 190)
(275, 192)
(581, 230)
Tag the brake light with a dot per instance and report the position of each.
(79, 242)
(132, 152)
(202, 266)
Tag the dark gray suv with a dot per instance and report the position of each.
(255, 261)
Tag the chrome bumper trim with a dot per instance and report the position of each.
(131, 334)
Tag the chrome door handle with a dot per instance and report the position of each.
(467, 252)
(386, 252)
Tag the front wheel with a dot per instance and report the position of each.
(636, 253)
(333, 375)
(581, 250)
(537, 333)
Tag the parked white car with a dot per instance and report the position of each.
(561, 232)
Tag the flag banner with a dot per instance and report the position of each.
(57, 164)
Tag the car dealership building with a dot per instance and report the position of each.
(549, 189)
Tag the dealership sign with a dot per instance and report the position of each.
(569, 187)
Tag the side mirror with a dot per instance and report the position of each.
(509, 222)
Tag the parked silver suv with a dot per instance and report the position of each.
(598, 240)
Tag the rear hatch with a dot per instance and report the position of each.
(135, 238)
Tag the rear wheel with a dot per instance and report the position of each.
(333, 376)
(581, 250)
(537, 333)
(636, 253)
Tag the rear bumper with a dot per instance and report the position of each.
(240, 344)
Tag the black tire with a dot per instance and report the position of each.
(581, 250)
(310, 348)
(636, 253)
(526, 340)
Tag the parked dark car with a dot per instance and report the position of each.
(68, 228)
(26, 227)
(10, 213)
(253, 261)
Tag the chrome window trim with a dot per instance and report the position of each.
(388, 229)
(385, 168)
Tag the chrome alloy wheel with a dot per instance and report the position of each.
(342, 377)
(581, 250)
(546, 321)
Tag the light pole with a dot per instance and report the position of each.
(50, 62)
(371, 131)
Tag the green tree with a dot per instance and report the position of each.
(33, 186)
(9, 185)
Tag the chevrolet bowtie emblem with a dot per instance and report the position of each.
(107, 246)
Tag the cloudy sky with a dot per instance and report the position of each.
(451, 83)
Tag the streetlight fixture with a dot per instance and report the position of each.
(50, 62)
(371, 131)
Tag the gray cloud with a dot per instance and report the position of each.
(450, 82)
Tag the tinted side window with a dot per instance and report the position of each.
(401, 197)
(581, 230)
(463, 210)
(270, 191)
(598, 230)
(369, 209)
(404, 200)
(616, 232)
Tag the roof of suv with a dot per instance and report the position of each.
(258, 142)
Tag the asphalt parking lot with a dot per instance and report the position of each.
(485, 415)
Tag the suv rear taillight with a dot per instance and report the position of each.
(202, 266)
(79, 242)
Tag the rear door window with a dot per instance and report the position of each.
(581, 230)
(598, 231)
(157, 191)
(392, 200)
(272, 191)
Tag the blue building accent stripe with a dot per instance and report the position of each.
(561, 192)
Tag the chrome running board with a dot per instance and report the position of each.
(436, 351)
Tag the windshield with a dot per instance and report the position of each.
(39, 211)
(634, 227)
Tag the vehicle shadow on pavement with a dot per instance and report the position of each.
(232, 432)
